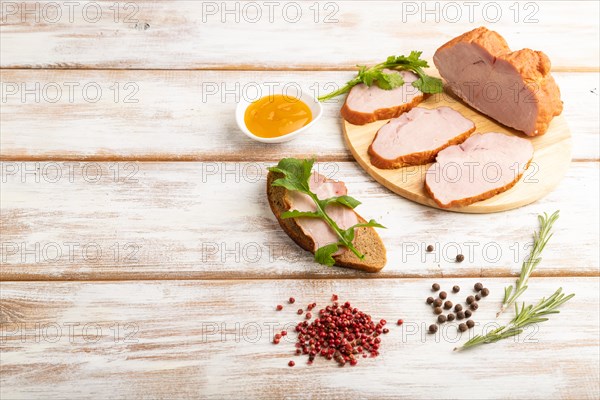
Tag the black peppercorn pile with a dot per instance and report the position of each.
(471, 302)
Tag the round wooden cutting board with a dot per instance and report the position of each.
(550, 161)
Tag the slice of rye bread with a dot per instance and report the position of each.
(362, 118)
(483, 196)
(366, 240)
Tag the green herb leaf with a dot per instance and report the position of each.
(299, 214)
(345, 200)
(389, 81)
(297, 174)
(324, 255)
(372, 223)
(429, 84)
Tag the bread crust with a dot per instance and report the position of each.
(375, 258)
(420, 158)
(484, 196)
(361, 118)
(533, 66)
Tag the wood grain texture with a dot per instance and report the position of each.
(187, 34)
(551, 159)
(212, 221)
(189, 115)
(192, 339)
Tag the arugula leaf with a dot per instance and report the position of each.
(297, 175)
(299, 214)
(388, 81)
(372, 223)
(345, 200)
(324, 255)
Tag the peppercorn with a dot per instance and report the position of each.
(458, 307)
(308, 315)
(443, 295)
(477, 297)
(448, 305)
(478, 286)
(468, 313)
(451, 317)
(386, 330)
(485, 292)
(400, 322)
(456, 288)
(430, 300)
(437, 310)
(283, 333)
(470, 323)
(300, 311)
(437, 303)
(433, 328)
(441, 318)
(470, 299)
(462, 327)
(291, 363)
(460, 315)
(460, 258)
(279, 307)
(292, 300)
(474, 306)
(435, 287)
(430, 248)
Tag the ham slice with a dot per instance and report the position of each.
(315, 228)
(366, 104)
(416, 137)
(514, 88)
(480, 168)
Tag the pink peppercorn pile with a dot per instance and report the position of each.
(341, 333)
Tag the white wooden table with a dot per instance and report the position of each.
(139, 254)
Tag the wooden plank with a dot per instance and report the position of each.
(186, 34)
(191, 339)
(212, 221)
(188, 115)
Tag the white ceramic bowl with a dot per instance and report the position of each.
(315, 108)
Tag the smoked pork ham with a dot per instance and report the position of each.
(481, 167)
(416, 137)
(366, 104)
(514, 88)
(310, 234)
(317, 229)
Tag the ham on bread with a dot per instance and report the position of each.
(514, 88)
(480, 168)
(416, 137)
(366, 104)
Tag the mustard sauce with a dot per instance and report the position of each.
(276, 115)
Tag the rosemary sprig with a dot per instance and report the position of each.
(540, 239)
(524, 316)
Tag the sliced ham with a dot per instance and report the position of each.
(514, 88)
(416, 137)
(481, 167)
(317, 229)
(366, 104)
